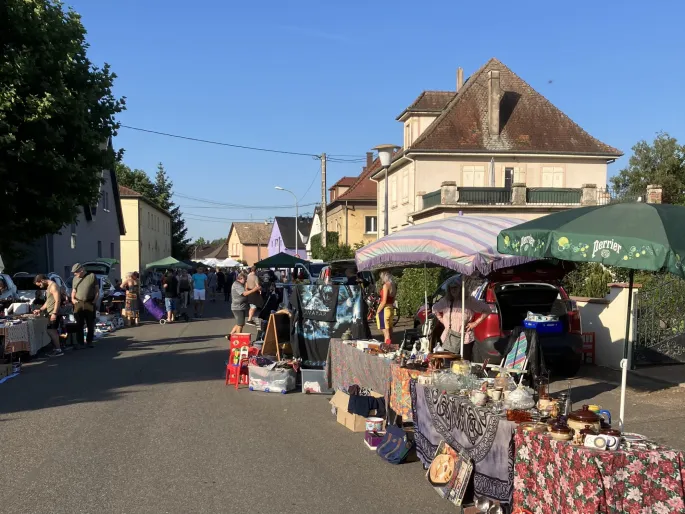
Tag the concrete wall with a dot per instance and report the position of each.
(350, 223)
(606, 317)
(428, 173)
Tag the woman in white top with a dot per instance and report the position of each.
(448, 310)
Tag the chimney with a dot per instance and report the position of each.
(460, 78)
(494, 97)
(369, 159)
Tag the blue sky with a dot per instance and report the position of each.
(331, 77)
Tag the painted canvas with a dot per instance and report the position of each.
(449, 473)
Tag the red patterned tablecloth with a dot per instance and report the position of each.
(16, 337)
(400, 394)
(558, 477)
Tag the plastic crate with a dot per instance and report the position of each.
(545, 327)
(314, 382)
(271, 381)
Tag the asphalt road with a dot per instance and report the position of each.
(144, 424)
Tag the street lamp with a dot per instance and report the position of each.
(385, 155)
(297, 215)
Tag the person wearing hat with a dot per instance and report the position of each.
(84, 296)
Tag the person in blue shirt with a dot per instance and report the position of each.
(199, 291)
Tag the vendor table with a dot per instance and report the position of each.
(348, 366)
(559, 477)
(16, 337)
(27, 336)
(474, 431)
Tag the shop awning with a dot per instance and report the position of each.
(167, 263)
(280, 260)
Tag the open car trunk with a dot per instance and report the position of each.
(516, 299)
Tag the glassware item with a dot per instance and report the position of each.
(483, 504)
(543, 387)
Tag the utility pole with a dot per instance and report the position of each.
(324, 216)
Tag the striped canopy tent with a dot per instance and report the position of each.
(467, 244)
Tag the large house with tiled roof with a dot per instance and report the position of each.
(493, 146)
(352, 211)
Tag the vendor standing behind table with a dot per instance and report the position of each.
(51, 307)
(386, 307)
(199, 291)
(84, 296)
(239, 302)
(448, 310)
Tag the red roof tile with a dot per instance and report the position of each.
(529, 123)
(127, 191)
(344, 182)
(363, 189)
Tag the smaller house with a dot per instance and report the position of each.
(248, 242)
(283, 236)
(148, 235)
(314, 231)
(352, 211)
(215, 251)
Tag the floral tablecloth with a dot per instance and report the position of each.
(558, 477)
(400, 394)
(16, 337)
(348, 366)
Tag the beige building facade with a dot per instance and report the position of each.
(148, 231)
(493, 146)
(249, 242)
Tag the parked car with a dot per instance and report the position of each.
(513, 292)
(10, 295)
(29, 292)
(344, 272)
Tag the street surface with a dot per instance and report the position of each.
(144, 424)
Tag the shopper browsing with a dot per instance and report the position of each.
(239, 302)
(199, 291)
(252, 285)
(170, 286)
(84, 296)
(50, 308)
(184, 288)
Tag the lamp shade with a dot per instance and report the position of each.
(385, 153)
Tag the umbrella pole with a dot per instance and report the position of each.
(463, 321)
(425, 294)
(626, 349)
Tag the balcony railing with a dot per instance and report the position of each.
(431, 199)
(484, 195)
(553, 196)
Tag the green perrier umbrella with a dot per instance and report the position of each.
(636, 236)
(167, 263)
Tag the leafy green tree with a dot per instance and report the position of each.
(218, 241)
(662, 162)
(200, 241)
(163, 188)
(137, 180)
(333, 250)
(412, 285)
(56, 111)
(589, 280)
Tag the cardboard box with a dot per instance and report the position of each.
(353, 422)
(5, 370)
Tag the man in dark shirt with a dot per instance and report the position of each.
(170, 286)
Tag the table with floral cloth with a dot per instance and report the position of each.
(16, 337)
(558, 477)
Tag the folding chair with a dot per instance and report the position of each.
(516, 360)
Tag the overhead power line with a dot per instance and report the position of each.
(336, 158)
(232, 205)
